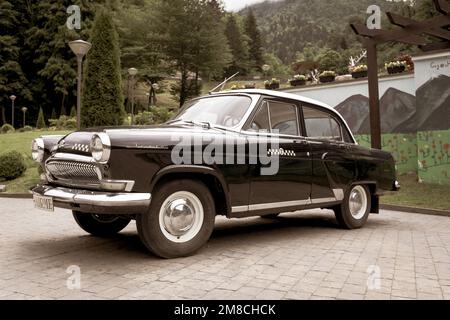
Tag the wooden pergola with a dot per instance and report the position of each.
(410, 32)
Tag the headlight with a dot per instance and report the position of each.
(37, 150)
(101, 147)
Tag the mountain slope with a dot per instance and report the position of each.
(289, 25)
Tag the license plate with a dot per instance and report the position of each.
(43, 203)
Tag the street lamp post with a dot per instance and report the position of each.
(80, 48)
(13, 98)
(132, 72)
(24, 110)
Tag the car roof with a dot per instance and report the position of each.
(280, 94)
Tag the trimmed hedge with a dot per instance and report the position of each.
(12, 165)
(7, 128)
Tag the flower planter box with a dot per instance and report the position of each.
(250, 86)
(297, 83)
(394, 70)
(326, 79)
(359, 74)
(273, 86)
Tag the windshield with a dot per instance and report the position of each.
(226, 111)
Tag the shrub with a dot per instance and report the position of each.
(156, 115)
(40, 124)
(63, 123)
(7, 128)
(12, 165)
(26, 129)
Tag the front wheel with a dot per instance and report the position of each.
(355, 209)
(100, 225)
(180, 219)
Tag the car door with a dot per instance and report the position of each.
(278, 120)
(332, 161)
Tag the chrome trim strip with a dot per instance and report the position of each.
(71, 157)
(239, 209)
(263, 206)
(285, 204)
(323, 200)
(98, 199)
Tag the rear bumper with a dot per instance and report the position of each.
(95, 201)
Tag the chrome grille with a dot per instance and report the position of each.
(77, 172)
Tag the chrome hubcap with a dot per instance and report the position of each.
(358, 202)
(181, 216)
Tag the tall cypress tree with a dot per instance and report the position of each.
(102, 94)
(255, 43)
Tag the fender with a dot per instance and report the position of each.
(194, 169)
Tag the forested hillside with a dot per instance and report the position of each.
(290, 26)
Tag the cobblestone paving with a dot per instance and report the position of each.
(299, 256)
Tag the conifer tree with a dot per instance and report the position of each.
(103, 101)
(40, 124)
(255, 43)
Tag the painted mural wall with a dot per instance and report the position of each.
(415, 114)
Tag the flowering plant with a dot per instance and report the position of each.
(328, 73)
(359, 68)
(394, 64)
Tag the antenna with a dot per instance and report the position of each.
(222, 84)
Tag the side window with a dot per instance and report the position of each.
(284, 118)
(276, 117)
(261, 120)
(321, 125)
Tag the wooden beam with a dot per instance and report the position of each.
(374, 95)
(361, 30)
(418, 27)
(442, 6)
(435, 46)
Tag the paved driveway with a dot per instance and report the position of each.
(299, 256)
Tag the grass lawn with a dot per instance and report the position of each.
(415, 194)
(21, 142)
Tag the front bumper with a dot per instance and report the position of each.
(95, 201)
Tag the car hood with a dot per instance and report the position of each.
(141, 137)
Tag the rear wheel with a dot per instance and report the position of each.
(100, 225)
(180, 219)
(355, 209)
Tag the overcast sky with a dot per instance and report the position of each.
(234, 5)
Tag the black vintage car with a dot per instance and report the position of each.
(238, 154)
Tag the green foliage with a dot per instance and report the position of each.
(7, 128)
(190, 36)
(12, 165)
(255, 41)
(12, 77)
(53, 116)
(156, 115)
(40, 124)
(238, 43)
(276, 65)
(25, 129)
(332, 60)
(192, 89)
(289, 26)
(63, 123)
(102, 94)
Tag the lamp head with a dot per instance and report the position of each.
(132, 71)
(80, 47)
(13, 97)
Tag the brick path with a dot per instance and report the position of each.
(299, 256)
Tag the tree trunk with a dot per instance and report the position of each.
(183, 87)
(3, 116)
(63, 109)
